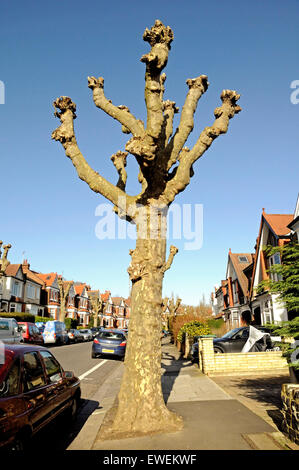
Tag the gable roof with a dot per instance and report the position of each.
(118, 300)
(12, 270)
(239, 267)
(32, 276)
(105, 296)
(279, 223)
(79, 288)
(48, 279)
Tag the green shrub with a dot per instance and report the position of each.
(71, 323)
(193, 328)
(40, 319)
(19, 316)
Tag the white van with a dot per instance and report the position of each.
(55, 333)
(10, 331)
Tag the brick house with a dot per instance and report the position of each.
(22, 290)
(239, 298)
(273, 231)
(52, 295)
(232, 297)
(82, 303)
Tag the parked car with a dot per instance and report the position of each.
(87, 334)
(109, 342)
(10, 331)
(34, 390)
(31, 333)
(233, 341)
(95, 330)
(55, 333)
(40, 325)
(75, 336)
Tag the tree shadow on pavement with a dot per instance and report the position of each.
(172, 371)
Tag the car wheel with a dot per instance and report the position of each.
(20, 442)
(73, 410)
(93, 355)
(218, 351)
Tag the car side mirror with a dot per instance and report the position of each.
(69, 374)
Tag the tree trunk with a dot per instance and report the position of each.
(140, 408)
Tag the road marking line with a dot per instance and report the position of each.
(81, 377)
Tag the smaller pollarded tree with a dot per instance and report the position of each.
(97, 306)
(64, 289)
(3, 265)
(3, 258)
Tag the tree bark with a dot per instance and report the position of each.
(140, 407)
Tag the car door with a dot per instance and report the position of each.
(35, 389)
(12, 410)
(238, 341)
(58, 391)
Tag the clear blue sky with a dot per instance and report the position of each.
(49, 48)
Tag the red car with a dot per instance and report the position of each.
(31, 333)
(34, 389)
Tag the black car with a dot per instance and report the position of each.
(233, 341)
(95, 330)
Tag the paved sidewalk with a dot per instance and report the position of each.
(213, 419)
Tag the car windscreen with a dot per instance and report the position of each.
(110, 335)
(230, 333)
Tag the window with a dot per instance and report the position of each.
(31, 291)
(16, 289)
(4, 325)
(53, 369)
(274, 260)
(268, 311)
(10, 385)
(243, 259)
(33, 372)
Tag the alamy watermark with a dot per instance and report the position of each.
(179, 222)
(2, 92)
(294, 98)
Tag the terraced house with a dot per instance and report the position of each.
(22, 290)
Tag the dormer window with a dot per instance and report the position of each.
(243, 259)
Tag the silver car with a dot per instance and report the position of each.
(10, 331)
(87, 334)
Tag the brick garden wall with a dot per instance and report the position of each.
(238, 363)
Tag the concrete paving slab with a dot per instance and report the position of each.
(208, 425)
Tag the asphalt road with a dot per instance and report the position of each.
(92, 374)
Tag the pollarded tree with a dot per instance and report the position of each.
(64, 289)
(166, 167)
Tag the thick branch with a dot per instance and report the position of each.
(120, 113)
(197, 87)
(159, 37)
(182, 174)
(170, 110)
(119, 160)
(173, 252)
(65, 134)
